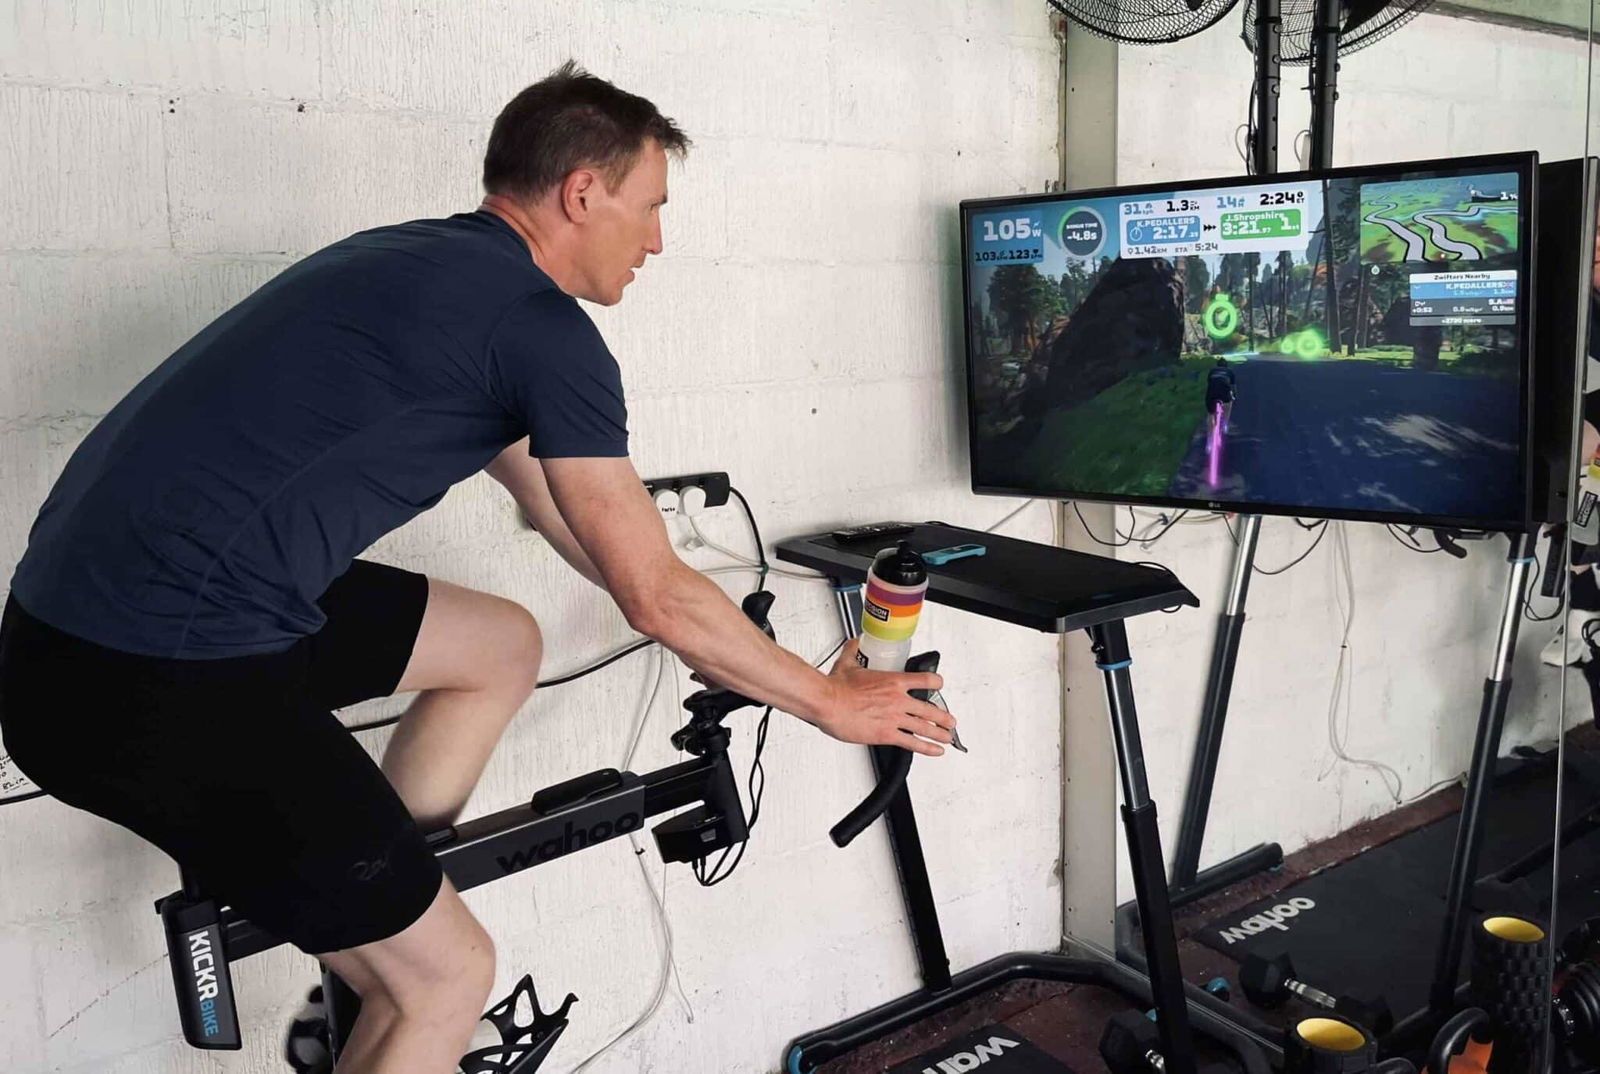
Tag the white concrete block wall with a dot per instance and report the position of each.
(1425, 624)
(163, 158)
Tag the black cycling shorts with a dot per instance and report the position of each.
(237, 768)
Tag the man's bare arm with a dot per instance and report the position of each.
(523, 477)
(614, 521)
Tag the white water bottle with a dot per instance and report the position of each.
(890, 608)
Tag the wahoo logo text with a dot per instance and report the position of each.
(571, 838)
(981, 1053)
(1267, 919)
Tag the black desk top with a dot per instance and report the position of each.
(1023, 582)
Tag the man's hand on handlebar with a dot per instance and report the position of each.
(875, 708)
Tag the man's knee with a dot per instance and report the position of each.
(439, 970)
(519, 646)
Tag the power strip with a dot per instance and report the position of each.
(715, 485)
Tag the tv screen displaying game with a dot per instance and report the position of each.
(1345, 344)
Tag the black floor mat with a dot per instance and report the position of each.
(1370, 924)
(997, 1049)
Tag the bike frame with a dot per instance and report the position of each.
(203, 939)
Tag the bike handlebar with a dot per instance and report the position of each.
(710, 706)
(893, 779)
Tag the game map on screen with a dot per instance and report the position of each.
(1348, 344)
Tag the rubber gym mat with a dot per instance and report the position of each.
(1370, 924)
(994, 1049)
(1363, 927)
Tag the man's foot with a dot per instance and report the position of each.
(1569, 646)
(306, 1048)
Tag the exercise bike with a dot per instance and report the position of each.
(204, 936)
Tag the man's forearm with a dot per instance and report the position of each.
(553, 529)
(695, 619)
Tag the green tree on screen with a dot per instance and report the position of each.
(1196, 282)
(1022, 301)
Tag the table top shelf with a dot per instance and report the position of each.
(1015, 581)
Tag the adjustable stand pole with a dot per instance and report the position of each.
(1187, 883)
(1324, 81)
(1469, 830)
(1144, 849)
(1269, 24)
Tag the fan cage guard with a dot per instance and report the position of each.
(1299, 23)
(1144, 22)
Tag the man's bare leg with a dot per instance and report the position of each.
(476, 661)
(474, 664)
(422, 990)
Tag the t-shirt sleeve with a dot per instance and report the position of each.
(548, 365)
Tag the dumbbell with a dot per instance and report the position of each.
(1130, 1044)
(1269, 982)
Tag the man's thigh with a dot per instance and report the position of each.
(471, 640)
(392, 631)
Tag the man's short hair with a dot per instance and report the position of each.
(569, 120)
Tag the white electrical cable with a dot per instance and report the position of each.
(742, 558)
(665, 660)
(1344, 673)
(1300, 154)
(668, 963)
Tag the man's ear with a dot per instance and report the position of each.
(575, 191)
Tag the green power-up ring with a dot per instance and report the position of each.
(1221, 317)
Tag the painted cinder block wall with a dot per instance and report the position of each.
(1425, 625)
(801, 332)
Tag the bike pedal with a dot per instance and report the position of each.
(522, 1047)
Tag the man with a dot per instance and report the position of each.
(187, 612)
(1220, 391)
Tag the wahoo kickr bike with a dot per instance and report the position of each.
(204, 936)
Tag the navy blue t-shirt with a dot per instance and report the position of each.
(207, 512)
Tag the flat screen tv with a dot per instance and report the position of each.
(1564, 263)
(1343, 344)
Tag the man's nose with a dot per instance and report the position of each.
(653, 241)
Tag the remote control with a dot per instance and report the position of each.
(871, 529)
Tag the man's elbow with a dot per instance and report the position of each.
(647, 608)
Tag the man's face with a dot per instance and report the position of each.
(623, 226)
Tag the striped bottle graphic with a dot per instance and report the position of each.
(890, 608)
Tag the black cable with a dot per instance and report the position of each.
(643, 643)
(1109, 544)
(1321, 532)
(1170, 574)
(562, 680)
(1410, 540)
(24, 797)
(755, 788)
(755, 531)
(1177, 518)
(713, 876)
(1527, 595)
(831, 651)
